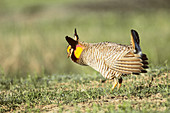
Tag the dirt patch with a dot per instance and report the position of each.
(117, 101)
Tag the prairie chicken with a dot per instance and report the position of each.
(112, 60)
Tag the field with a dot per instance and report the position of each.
(86, 93)
(36, 76)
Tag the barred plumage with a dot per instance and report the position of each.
(112, 60)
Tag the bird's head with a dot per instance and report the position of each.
(74, 49)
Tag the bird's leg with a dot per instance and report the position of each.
(120, 82)
(115, 84)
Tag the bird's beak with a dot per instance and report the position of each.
(69, 54)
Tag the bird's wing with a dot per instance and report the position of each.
(120, 58)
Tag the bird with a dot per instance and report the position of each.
(112, 60)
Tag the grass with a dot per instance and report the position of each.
(86, 93)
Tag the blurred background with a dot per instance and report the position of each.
(32, 32)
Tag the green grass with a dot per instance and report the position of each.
(86, 93)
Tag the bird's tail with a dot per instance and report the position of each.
(135, 41)
(135, 61)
